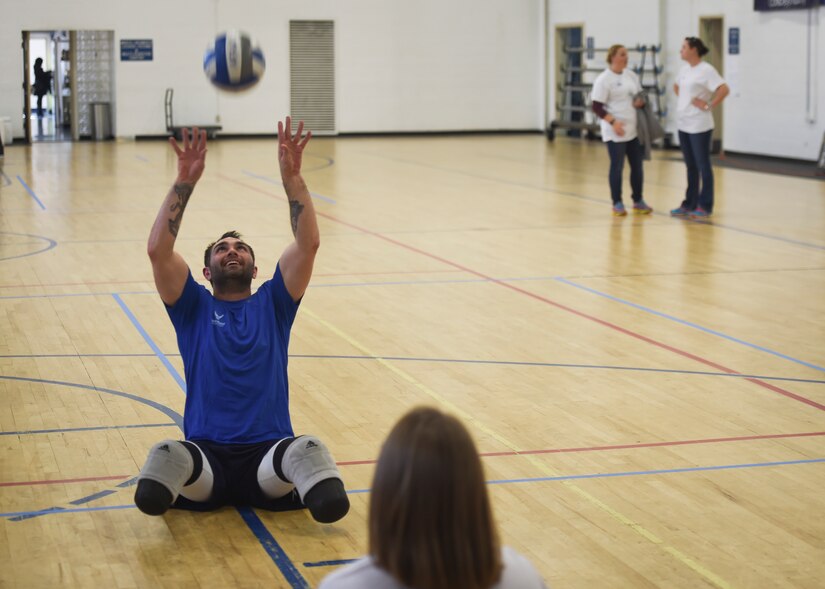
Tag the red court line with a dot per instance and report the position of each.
(509, 453)
(553, 303)
(625, 446)
(64, 481)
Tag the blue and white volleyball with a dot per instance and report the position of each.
(234, 61)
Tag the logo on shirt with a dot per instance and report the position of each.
(217, 320)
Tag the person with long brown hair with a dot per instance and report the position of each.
(430, 521)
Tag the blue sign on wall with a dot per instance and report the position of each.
(733, 40)
(135, 50)
(785, 4)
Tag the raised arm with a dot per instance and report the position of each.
(298, 258)
(169, 268)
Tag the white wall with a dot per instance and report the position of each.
(766, 111)
(430, 65)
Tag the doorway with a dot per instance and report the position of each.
(47, 67)
(711, 31)
(78, 72)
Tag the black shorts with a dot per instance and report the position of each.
(235, 472)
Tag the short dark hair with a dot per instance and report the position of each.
(430, 521)
(207, 255)
(696, 43)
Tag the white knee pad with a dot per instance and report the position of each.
(201, 488)
(170, 464)
(271, 484)
(307, 462)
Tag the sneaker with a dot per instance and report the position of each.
(619, 210)
(679, 212)
(642, 208)
(699, 213)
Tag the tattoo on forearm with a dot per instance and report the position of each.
(184, 191)
(295, 210)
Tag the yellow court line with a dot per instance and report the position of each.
(618, 516)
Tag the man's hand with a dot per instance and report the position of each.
(291, 148)
(192, 158)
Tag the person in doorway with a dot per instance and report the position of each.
(613, 102)
(239, 446)
(42, 84)
(430, 521)
(699, 89)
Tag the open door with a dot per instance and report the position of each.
(27, 89)
(711, 31)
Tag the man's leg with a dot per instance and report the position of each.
(173, 468)
(304, 463)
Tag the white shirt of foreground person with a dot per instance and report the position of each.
(616, 92)
(698, 81)
(518, 573)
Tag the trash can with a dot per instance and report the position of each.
(101, 120)
(5, 132)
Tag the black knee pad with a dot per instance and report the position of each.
(152, 498)
(327, 501)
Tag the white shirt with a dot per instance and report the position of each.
(518, 573)
(698, 81)
(616, 92)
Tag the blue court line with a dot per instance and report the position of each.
(92, 497)
(84, 429)
(50, 243)
(655, 472)
(161, 356)
(278, 182)
(329, 563)
(276, 553)
(496, 482)
(693, 325)
(141, 158)
(128, 483)
(607, 475)
(31, 193)
(16, 516)
(257, 527)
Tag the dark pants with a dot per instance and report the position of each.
(40, 105)
(696, 150)
(618, 151)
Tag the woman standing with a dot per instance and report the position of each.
(699, 88)
(42, 84)
(430, 522)
(613, 102)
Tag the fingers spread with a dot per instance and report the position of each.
(175, 146)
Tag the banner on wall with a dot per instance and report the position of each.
(785, 4)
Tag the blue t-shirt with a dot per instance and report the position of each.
(235, 361)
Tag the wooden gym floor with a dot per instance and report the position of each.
(648, 393)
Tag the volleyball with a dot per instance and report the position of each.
(234, 61)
